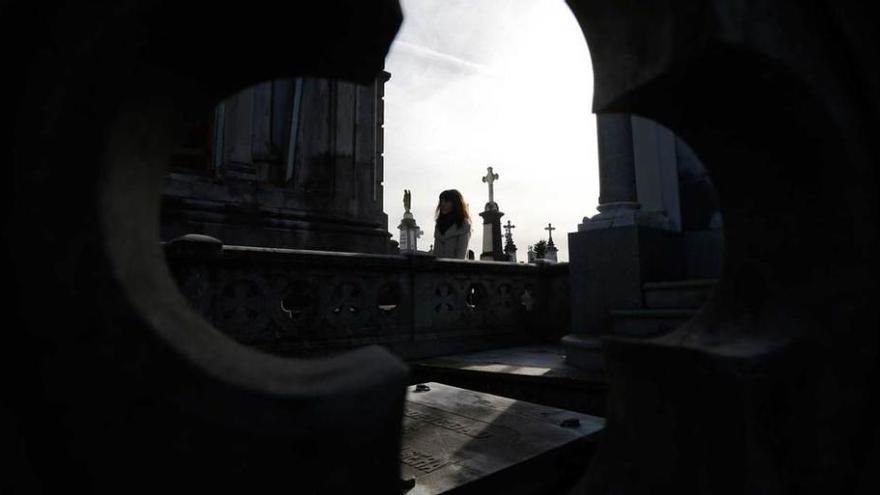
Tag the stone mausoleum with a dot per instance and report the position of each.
(285, 163)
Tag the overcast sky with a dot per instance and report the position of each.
(506, 83)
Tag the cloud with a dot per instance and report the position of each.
(489, 82)
(439, 60)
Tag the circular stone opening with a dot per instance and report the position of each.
(477, 297)
(388, 298)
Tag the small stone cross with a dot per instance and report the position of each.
(508, 228)
(490, 178)
(549, 228)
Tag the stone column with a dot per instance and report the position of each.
(617, 174)
(617, 168)
(616, 251)
(492, 234)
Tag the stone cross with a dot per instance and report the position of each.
(508, 228)
(490, 178)
(550, 228)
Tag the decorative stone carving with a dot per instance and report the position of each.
(304, 303)
(528, 300)
(477, 297)
(242, 310)
(299, 302)
(388, 299)
(490, 179)
(504, 302)
(445, 298)
(347, 309)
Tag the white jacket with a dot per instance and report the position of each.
(454, 242)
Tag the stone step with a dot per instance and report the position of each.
(535, 373)
(677, 294)
(649, 322)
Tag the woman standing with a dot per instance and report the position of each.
(452, 231)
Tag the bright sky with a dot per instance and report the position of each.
(506, 83)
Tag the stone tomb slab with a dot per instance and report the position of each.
(461, 441)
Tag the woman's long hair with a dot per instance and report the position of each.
(459, 211)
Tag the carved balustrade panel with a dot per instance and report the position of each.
(196, 282)
(507, 306)
(303, 302)
(241, 306)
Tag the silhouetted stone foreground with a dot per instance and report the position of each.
(113, 385)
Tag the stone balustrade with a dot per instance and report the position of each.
(302, 303)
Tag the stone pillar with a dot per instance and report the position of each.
(616, 251)
(409, 233)
(617, 174)
(617, 168)
(492, 249)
